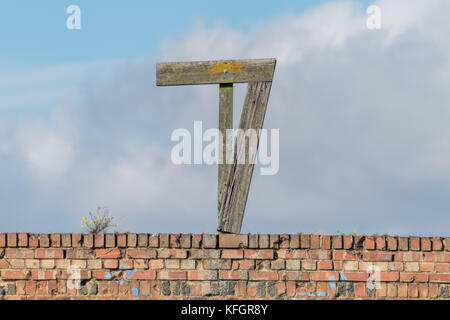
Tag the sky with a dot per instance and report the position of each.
(362, 114)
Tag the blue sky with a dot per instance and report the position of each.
(363, 115)
(34, 32)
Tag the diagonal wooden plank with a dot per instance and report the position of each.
(214, 72)
(239, 178)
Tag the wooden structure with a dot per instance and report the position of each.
(234, 179)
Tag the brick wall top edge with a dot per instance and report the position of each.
(214, 240)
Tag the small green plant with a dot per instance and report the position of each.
(98, 222)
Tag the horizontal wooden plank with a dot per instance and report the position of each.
(214, 72)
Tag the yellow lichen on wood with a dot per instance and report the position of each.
(225, 66)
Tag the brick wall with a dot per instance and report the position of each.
(163, 266)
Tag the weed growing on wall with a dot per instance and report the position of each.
(99, 222)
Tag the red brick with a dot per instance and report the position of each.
(278, 264)
(258, 254)
(304, 241)
(131, 240)
(344, 255)
(22, 240)
(11, 240)
(320, 254)
(274, 241)
(245, 264)
(204, 254)
(290, 289)
(108, 253)
(295, 241)
(233, 240)
(111, 264)
(370, 243)
(403, 243)
(423, 290)
(143, 275)
(209, 241)
(360, 290)
(380, 242)
(442, 267)
(110, 240)
(121, 240)
(434, 290)
(214, 264)
(347, 242)
(196, 240)
(2, 240)
(142, 240)
(142, 253)
(378, 256)
(414, 243)
(66, 240)
(426, 244)
(79, 254)
(323, 275)
(233, 275)
(185, 241)
(202, 275)
(402, 289)
(164, 240)
(48, 254)
(325, 265)
(337, 242)
(263, 275)
(326, 242)
(232, 254)
(253, 241)
(413, 290)
(392, 290)
(14, 275)
(396, 266)
(88, 240)
(314, 241)
(429, 256)
(30, 287)
(392, 243)
(355, 276)
(55, 240)
(171, 275)
(427, 267)
(156, 264)
(172, 253)
(292, 254)
(99, 240)
(76, 240)
(284, 241)
(382, 290)
(413, 277)
(264, 241)
(440, 277)
(437, 244)
(4, 264)
(140, 264)
(389, 276)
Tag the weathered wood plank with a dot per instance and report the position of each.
(214, 72)
(239, 178)
(225, 123)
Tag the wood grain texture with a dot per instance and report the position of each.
(239, 177)
(225, 122)
(214, 72)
